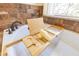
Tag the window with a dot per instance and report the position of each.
(61, 9)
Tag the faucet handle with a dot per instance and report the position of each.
(9, 31)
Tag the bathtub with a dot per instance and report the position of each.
(20, 50)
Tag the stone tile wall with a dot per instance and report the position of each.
(67, 24)
(20, 12)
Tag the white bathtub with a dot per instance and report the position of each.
(18, 49)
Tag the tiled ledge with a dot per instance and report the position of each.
(74, 18)
(67, 24)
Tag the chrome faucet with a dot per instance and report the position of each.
(14, 26)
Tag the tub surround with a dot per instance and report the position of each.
(1, 37)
